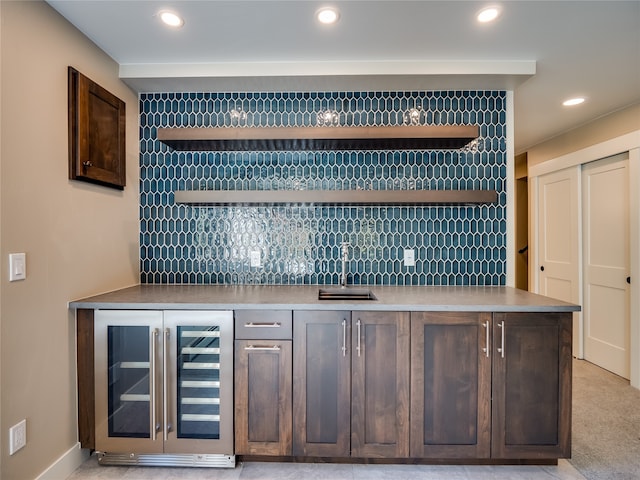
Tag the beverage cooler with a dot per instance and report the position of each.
(164, 387)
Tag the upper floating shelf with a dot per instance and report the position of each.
(409, 137)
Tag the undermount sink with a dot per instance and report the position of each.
(345, 293)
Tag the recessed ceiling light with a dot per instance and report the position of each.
(489, 14)
(328, 15)
(573, 101)
(171, 19)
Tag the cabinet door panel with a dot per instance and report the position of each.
(321, 386)
(86, 378)
(532, 385)
(97, 121)
(380, 384)
(450, 385)
(263, 397)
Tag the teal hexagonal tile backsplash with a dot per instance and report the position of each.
(300, 244)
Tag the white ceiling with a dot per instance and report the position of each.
(546, 51)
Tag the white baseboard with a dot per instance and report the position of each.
(64, 466)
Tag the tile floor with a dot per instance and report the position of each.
(90, 470)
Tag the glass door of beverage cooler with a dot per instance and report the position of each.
(128, 375)
(164, 385)
(198, 365)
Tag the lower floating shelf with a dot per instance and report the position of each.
(335, 197)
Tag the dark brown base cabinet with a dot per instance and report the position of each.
(491, 386)
(351, 384)
(531, 408)
(263, 397)
(450, 385)
(440, 386)
(263, 369)
(380, 384)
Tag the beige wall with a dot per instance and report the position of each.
(79, 238)
(605, 128)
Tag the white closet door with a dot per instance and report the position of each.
(606, 263)
(558, 240)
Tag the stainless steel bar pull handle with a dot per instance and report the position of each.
(486, 338)
(358, 343)
(152, 386)
(344, 338)
(272, 348)
(262, 325)
(165, 375)
(501, 349)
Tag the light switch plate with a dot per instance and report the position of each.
(17, 266)
(409, 258)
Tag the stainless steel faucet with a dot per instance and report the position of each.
(345, 256)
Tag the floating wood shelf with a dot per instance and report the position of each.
(410, 137)
(336, 197)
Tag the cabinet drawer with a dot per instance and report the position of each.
(264, 324)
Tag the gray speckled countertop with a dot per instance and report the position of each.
(305, 297)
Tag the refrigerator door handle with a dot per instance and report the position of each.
(165, 382)
(152, 403)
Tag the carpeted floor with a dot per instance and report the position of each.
(606, 424)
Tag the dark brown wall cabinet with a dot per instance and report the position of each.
(97, 118)
(351, 384)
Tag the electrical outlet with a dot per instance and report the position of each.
(409, 258)
(254, 259)
(17, 436)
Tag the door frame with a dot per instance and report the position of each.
(630, 143)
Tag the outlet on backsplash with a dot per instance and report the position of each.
(254, 259)
(409, 258)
